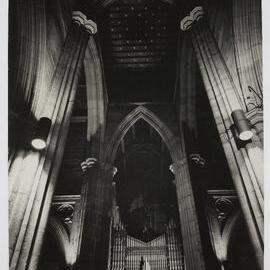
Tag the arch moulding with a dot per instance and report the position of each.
(172, 142)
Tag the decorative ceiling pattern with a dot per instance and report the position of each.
(138, 43)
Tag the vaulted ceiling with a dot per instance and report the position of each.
(138, 43)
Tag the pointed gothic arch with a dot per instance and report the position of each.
(172, 142)
(185, 200)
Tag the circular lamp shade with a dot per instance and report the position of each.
(242, 125)
(42, 130)
(38, 144)
(245, 135)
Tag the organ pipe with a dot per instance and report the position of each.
(162, 253)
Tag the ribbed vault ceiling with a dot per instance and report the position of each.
(138, 43)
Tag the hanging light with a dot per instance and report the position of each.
(39, 140)
(242, 125)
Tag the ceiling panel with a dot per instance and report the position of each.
(138, 42)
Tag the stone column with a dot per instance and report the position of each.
(247, 37)
(96, 223)
(245, 160)
(32, 180)
(193, 254)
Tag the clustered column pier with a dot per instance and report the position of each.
(245, 160)
(31, 189)
(96, 224)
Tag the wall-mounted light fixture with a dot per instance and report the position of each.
(39, 140)
(242, 125)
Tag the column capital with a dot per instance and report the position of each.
(174, 167)
(195, 15)
(197, 159)
(255, 116)
(93, 162)
(113, 170)
(81, 19)
(88, 163)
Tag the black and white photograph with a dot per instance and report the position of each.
(135, 135)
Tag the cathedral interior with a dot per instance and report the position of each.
(135, 135)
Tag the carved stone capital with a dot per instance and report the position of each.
(81, 19)
(178, 165)
(223, 202)
(197, 159)
(223, 207)
(65, 212)
(88, 163)
(195, 15)
(254, 100)
(63, 207)
(114, 171)
(255, 116)
(91, 162)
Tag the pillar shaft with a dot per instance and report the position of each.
(194, 259)
(32, 189)
(245, 162)
(96, 223)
